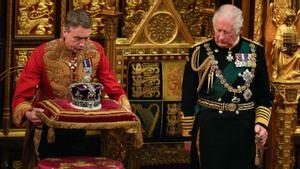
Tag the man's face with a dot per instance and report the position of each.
(225, 34)
(76, 38)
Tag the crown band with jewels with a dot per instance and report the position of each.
(86, 96)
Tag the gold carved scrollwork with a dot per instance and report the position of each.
(173, 119)
(134, 13)
(196, 15)
(97, 10)
(285, 106)
(21, 55)
(286, 45)
(162, 28)
(258, 20)
(35, 17)
(145, 80)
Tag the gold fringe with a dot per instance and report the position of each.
(36, 140)
(51, 135)
(130, 127)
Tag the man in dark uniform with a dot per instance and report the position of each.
(226, 89)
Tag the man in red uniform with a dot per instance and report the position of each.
(49, 72)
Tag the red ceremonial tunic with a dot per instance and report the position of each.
(48, 72)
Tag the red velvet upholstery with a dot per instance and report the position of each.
(80, 163)
(61, 111)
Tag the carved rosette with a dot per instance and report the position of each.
(162, 28)
(285, 107)
(35, 18)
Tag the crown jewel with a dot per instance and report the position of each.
(86, 95)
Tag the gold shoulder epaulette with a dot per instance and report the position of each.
(201, 42)
(252, 41)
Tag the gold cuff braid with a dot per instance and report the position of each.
(263, 115)
(19, 112)
(187, 124)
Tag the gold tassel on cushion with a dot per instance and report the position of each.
(51, 135)
(123, 100)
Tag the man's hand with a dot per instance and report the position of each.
(261, 136)
(31, 116)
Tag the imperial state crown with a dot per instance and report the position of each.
(86, 96)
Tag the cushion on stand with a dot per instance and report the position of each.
(79, 163)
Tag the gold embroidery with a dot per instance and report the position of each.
(57, 58)
(20, 110)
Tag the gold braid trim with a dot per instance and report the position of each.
(263, 115)
(130, 127)
(203, 68)
(20, 111)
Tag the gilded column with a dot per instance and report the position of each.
(110, 33)
(258, 18)
(7, 94)
(285, 107)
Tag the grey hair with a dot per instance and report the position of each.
(78, 17)
(230, 11)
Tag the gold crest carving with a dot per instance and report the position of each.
(21, 56)
(35, 18)
(97, 9)
(173, 119)
(145, 80)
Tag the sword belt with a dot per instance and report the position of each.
(231, 107)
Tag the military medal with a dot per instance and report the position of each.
(87, 68)
(247, 94)
(247, 75)
(235, 99)
(229, 57)
(241, 60)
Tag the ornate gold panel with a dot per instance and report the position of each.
(174, 127)
(98, 10)
(149, 115)
(172, 78)
(21, 56)
(34, 19)
(285, 107)
(161, 28)
(197, 16)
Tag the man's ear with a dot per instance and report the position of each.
(64, 31)
(241, 30)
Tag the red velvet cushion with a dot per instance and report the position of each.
(80, 163)
(59, 113)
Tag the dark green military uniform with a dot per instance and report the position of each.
(227, 90)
